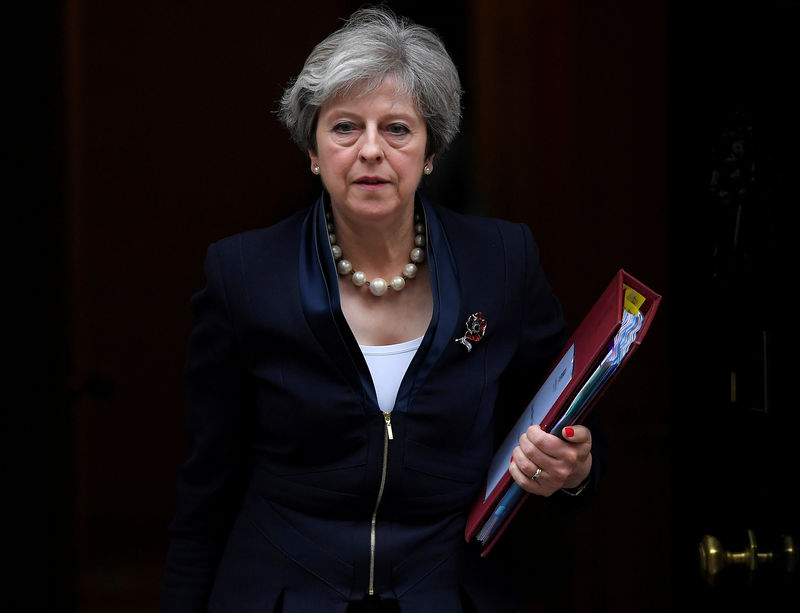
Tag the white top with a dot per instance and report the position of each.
(388, 365)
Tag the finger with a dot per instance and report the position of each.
(576, 434)
(558, 457)
(540, 445)
(548, 453)
(529, 457)
(526, 465)
(532, 486)
(528, 447)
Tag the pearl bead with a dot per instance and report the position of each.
(344, 267)
(378, 286)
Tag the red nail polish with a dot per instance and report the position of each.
(569, 432)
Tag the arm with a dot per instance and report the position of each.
(212, 479)
(566, 463)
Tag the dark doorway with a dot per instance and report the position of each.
(733, 155)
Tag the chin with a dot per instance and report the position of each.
(374, 209)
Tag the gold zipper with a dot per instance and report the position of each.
(388, 418)
(387, 436)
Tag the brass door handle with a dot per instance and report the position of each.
(714, 559)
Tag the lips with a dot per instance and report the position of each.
(371, 181)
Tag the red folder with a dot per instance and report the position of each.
(591, 341)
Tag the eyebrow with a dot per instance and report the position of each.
(389, 119)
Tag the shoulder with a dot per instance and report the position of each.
(475, 233)
(475, 224)
(270, 240)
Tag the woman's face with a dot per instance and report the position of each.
(371, 153)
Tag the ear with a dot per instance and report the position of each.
(314, 159)
(429, 161)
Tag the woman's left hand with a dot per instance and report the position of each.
(543, 463)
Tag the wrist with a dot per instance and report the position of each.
(574, 491)
(571, 487)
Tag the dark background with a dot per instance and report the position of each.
(147, 130)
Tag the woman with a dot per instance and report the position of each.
(340, 418)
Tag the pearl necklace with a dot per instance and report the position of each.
(379, 286)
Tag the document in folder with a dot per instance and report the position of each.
(588, 363)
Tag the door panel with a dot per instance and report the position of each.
(733, 159)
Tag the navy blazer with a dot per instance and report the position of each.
(292, 487)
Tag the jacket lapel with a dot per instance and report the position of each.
(319, 295)
(446, 306)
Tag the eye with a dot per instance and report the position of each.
(343, 127)
(398, 129)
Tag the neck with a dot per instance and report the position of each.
(376, 247)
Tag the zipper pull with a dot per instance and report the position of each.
(388, 418)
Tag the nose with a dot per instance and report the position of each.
(371, 145)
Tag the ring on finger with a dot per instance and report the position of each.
(536, 475)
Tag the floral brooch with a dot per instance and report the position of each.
(476, 328)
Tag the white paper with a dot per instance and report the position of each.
(535, 412)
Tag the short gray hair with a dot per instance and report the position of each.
(372, 44)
